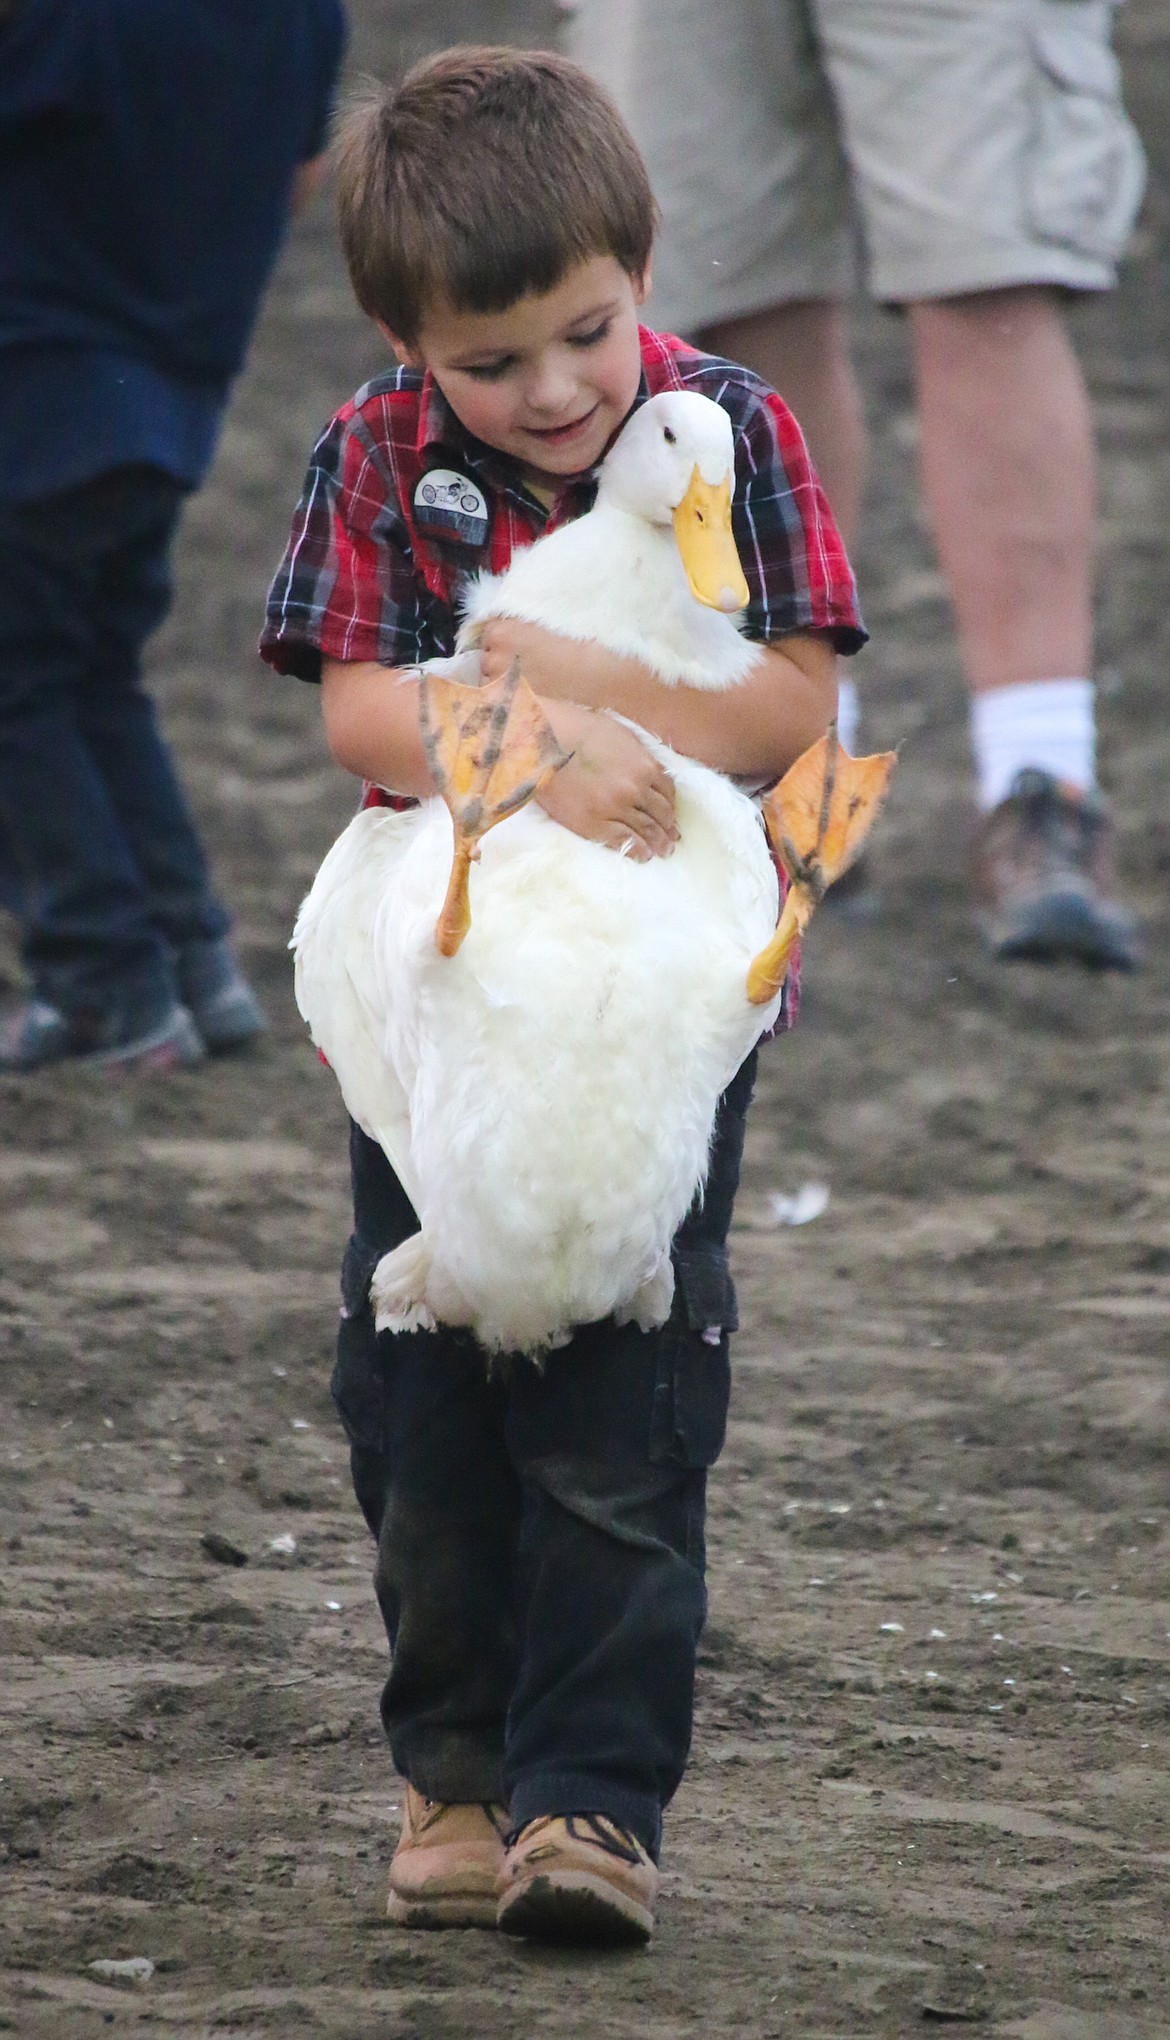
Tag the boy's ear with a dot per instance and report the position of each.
(407, 357)
(643, 285)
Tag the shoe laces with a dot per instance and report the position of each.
(595, 1828)
(428, 1811)
(1065, 824)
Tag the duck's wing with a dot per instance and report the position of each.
(334, 946)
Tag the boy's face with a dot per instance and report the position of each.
(549, 380)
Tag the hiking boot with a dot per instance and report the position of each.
(39, 1034)
(221, 1001)
(1043, 874)
(447, 1864)
(578, 1879)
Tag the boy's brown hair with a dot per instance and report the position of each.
(485, 175)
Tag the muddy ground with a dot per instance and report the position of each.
(930, 1780)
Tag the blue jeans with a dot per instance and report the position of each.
(540, 1530)
(99, 858)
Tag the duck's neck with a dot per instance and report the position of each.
(616, 580)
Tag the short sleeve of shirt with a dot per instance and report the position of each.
(794, 558)
(346, 588)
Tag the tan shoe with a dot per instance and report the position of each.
(447, 1865)
(578, 1879)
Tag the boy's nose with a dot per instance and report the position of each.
(551, 388)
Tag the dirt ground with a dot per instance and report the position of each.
(930, 1779)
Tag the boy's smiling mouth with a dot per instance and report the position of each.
(553, 435)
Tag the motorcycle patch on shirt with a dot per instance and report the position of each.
(450, 506)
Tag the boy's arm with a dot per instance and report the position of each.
(611, 790)
(371, 718)
(753, 731)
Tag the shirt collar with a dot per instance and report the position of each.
(437, 423)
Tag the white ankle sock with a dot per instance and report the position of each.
(1047, 724)
(848, 715)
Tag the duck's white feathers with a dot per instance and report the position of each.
(611, 578)
(548, 1120)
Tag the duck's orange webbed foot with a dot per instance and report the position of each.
(818, 817)
(490, 749)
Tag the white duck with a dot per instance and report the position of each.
(544, 1075)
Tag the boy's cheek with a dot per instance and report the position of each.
(477, 406)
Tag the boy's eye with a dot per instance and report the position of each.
(591, 338)
(488, 371)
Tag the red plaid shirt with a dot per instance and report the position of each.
(360, 580)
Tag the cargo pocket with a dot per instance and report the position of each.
(1087, 169)
(693, 1381)
(356, 1386)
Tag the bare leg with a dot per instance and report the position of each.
(1008, 472)
(1009, 475)
(802, 350)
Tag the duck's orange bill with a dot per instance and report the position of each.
(702, 531)
(490, 749)
(818, 817)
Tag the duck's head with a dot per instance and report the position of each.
(674, 463)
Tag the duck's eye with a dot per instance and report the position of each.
(670, 437)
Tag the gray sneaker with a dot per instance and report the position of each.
(222, 1003)
(1043, 875)
(39, 1034)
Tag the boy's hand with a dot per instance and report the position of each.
(563, 668)
(612, 790)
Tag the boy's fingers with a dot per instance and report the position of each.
(628, 844)
(638, 836)
(659, 805)
(659, 838)
(660, 796)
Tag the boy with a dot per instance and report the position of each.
(540, 1533)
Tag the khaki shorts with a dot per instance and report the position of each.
(954, 145)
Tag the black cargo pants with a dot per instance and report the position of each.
(540, 1530)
